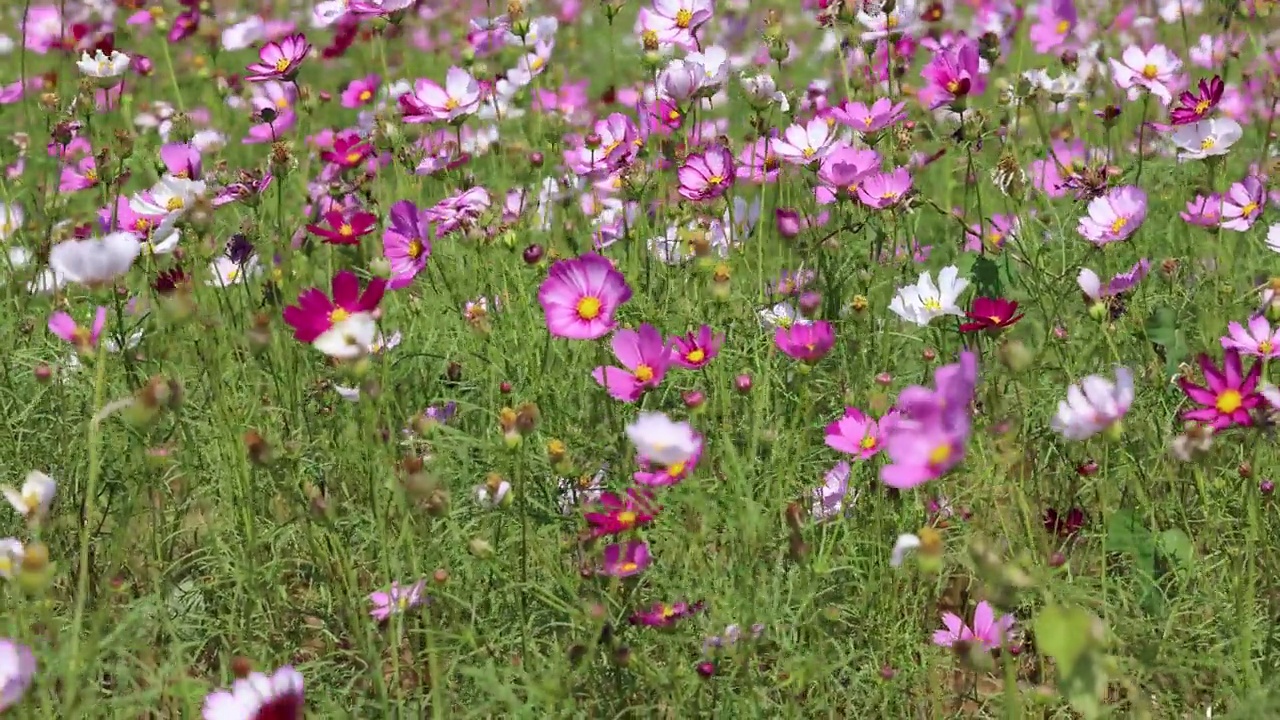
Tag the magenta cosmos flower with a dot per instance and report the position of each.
(1243, 204)
(278, 696)
(1194, 107)
(429, 102)
(615, 514)
(1228, 395)
(952, 75)
(279, 60)
(396, 599)
(885, 189)
(664, 615)
(986, 631)
(406, 243)
(928, 437)
(84, 338)
(654, 474)
(625, 559)
(1259, 340)
(360, 92)
(706, 175)
(1115, 216)
(580, 296)
(868, 119)
(694, 350)
(645, 357)
(808, 342)
(1055, 20)
(316, 313)
(857, 434)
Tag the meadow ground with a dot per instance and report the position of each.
(639, 360)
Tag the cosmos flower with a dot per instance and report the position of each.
(625, 559)
(84, 338)
(580, 297)
(1228, 395)
(857, 434)
(663, 440)
(278, 696)
(17, 671)
(34, 499)
(1094, 405)
(987, 631)
(279, 60)
(1115, 216)
(316, 314)
(694, 350)
(805, 342)
(396, 599)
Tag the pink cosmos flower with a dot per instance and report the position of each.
(580, 296)
(614, 514)
(1243, 204)
(1203, 210)
(885, 189)
(84, 338)
(1194, 107)
(829, 498)
(279, 60)
(807, 342)
(1259, 340)
(1154, 70)
(316, 313)
(952, 76)
(345, 227)
(429, 102)
(998, 231)
(1055, 21)
(645, 357)
(842, 172)
(406, 243)
(625, 560)
(804, 144)
(396, 600)
(663, 615)
(182, 160)
(706, 175)
(652, 474)
(928, 437)
(694, 350)
(619, 141)
(987, 631)
(857, 434)
(882, 114)
(1049, 175)
(1115, 216)
(360, 92)
(757, 163)
(80, 176)
(1228, 395)
(677, 20)
(278, 696)
(1093, 289)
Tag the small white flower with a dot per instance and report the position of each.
(1058, 89)
(492, 499)
(33, 501)
(93, 261)
(349, 338)
(101, 66)
(783, 315)
(170, 195)
(228, 272)
(1273, 238)
(715, 68)
(1093, 405)
(1207, 138)
(662, 440)
(11, 554)
(763, 91)
(904, 544)
(11, 219)
(924, 301)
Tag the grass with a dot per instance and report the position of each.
(233, 508)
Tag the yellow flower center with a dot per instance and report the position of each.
(1063, 27)
(1265, 347)
(627, 518)
(889, 195)
(415, 249)
(953, 86)
(714, 180)
(282, 103)
(346, 230)
(142, 225)
(353, 157)
(31, 499)
(868, 442)
(668, 612)
(940, 454)
(673, 115)
(174, 203)
(282, 64)
(1208, 143)
(451, 104)
(809, 152)
(866, 121)
(933, 305)
(684, 16)
(232, 274)
(338, 314)
(1249, 209)
(589, 308)
(364, 95)
(1119, 224)
(644, 373)
(1202, 107)
(91, 175)
(612, 146)
(536, 63)
(628, 567)
(1150, 71)
(6, 566)
(696, 356)
(891, 22)
(1229, 401)
(402, 602)
(675, 469)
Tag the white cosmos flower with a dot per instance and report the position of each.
(228, 272)
(258, 696)
(170, 195)
(662, 440)
(715, 68)
(924, 301)
(93, 261)
(492, 499)
(11, 219)
(35, 497)
(763, 91)
(1207, 138)
(349, 338)
(903, 545)
(11, 554)
(1093, 405)
(1060, 88)
(102, 66)
(783, 315)
(1273, 238)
